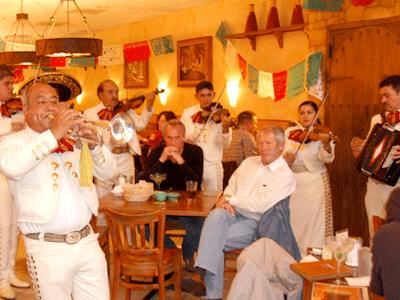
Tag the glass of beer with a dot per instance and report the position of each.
(191, 188)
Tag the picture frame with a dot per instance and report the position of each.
(136, 74)
(194, 61)
(326, 291)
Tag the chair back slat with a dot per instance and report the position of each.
(138, 244)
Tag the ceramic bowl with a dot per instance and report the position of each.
(160, 196)
(173, 196)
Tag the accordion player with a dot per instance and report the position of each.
(376, 159)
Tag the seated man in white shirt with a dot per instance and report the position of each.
(257, 185)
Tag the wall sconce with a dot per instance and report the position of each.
(79, 99)
(163, 96)
(233, 91)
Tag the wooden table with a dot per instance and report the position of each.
(200, 207)
(323, 271)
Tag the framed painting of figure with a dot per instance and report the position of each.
(136, 74)
(194, 61)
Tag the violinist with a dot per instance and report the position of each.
(9, 234)
(212, 136)
(107, 92)
(310, 204)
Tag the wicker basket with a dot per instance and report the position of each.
(137, 192)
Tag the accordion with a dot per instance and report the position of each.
(376, 159)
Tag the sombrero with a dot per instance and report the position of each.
(68, 87)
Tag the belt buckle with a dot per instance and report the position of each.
(73, 237)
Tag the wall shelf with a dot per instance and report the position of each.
(277, 32)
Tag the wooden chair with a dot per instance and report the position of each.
(138, 263)
(377, 222)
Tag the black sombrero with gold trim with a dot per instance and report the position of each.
(68, 87)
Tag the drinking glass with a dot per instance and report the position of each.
(339, 246)
(158, 178)
(191, 188)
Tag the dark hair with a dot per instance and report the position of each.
(315, 106)
(100, 88)
(5, 72)
(245, 116)
(169, 115)
(204, 85)
(394, 81)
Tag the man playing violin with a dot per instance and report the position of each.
(211, 136)
(46, 174)
(107, 92)
(9, 233)
(378, 192)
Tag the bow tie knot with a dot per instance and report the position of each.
(5, 112)
(197, 118)
(393, 117)
(64, 145)
(106, 114)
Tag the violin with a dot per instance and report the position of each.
(133, 103)
(216, 116)
(305, 136)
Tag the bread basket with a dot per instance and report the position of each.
(140, 192)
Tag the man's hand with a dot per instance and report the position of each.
(357, 145)
(226, 123)
(396, 154)
(150, 97)
(171, 152)
(65, 121)
(224, 204)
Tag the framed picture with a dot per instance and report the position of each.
(326, 291)
(194, 61)
(136, 74)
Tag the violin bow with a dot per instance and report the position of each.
(313, 122)
(211, 114)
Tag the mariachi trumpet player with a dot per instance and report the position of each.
(51, 183)
(107, 92)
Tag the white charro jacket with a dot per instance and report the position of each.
(26, 161)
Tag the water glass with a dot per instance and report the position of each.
(191, 188)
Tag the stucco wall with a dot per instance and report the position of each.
(204, 21)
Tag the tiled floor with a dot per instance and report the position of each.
(27, 294)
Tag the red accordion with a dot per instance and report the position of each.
(376, 159)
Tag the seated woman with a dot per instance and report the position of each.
(156, 137)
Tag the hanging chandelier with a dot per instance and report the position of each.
(19, 48)
(69, 46)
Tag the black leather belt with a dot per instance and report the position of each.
(70, 238)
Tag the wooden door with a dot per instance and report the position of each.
(361, 55)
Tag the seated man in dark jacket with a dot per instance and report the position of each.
(385, 278)
(181, 162)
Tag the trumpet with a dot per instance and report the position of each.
(121, 128)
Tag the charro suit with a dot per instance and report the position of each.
(38, 177)
(212, 141)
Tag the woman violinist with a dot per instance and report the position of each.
(310, 205)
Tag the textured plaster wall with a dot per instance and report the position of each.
(204, 21)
